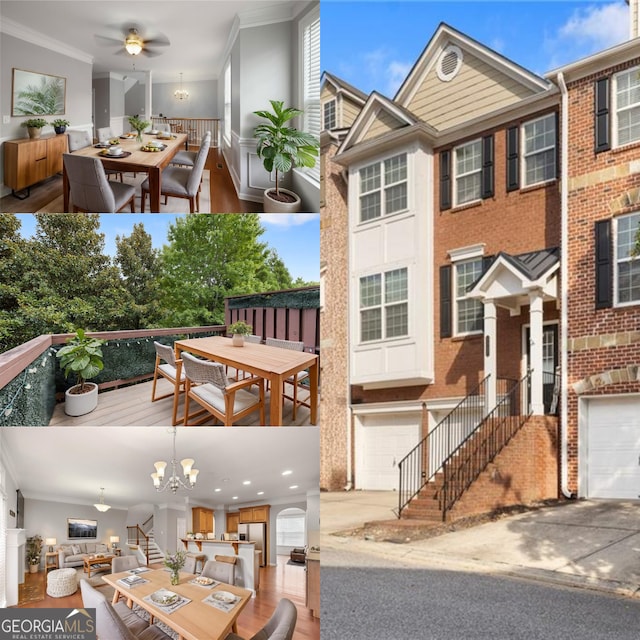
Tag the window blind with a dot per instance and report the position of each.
(311, 84)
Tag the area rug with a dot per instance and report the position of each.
(33, 591)
(295, 564)
(174, 205)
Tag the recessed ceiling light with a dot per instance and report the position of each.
(247, 482)
(218, 489)
(288, 472)
(260, 493)
(293, 486)
(234, 498)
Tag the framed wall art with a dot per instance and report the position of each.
(81, 528)
(37, 94)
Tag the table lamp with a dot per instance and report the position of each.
(113, 540)
(50, 542)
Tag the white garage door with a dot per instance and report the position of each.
(381, 442)
(613, 440)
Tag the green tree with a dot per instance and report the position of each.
(139, 265)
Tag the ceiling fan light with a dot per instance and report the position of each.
(133, 44)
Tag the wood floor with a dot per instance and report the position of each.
(223, 194)
(281, 581)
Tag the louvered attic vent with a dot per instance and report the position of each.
(449, 63)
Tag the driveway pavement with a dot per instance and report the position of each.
(593, 544)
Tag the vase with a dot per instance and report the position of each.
(139, 136)
(237, 340)
(175, 577)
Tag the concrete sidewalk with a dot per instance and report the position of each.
(593, 544)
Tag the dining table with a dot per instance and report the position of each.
(193, 621)
(134, 159)
(274, 364)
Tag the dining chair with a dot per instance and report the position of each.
(79, 139)
(226, 400)
(90, 191)
(248, 338)
(172, 371)
(124, 563)
(190, 564)
(280, 625)
(182, 182)
(295, 380)
(188, 158)
(163, 126)
(220, 571)
(117, 621)
(104, 134)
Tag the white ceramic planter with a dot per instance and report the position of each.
(78, 404)
(237, 340)
(274, 206)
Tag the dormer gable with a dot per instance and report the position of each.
(343, 101)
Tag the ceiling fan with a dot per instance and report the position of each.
(133, 42)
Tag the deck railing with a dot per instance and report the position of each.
(194, 127)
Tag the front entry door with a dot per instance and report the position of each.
(549, 365)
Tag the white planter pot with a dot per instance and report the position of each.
(274, 206)
(237, 340)
(78, 404)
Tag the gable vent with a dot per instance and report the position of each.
(449, 63)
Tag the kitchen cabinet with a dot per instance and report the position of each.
(31, 160)
(233, 519)
(254, 514)
(202, 520)
(313, 587)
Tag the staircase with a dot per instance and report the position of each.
(139, 540)
(431, 495)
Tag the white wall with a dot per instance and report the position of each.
(201, 103)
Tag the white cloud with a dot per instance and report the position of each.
(383, 72)
(396, 75)
(287, 219)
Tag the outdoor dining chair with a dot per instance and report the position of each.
(280, 625)
(228, 401)
(89, 189)
(172, 371)
(241, 375)
(296, 379)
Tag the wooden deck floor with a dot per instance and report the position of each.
(132, 407)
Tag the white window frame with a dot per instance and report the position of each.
(226, 134)
(330, 103)
(615, 110)
(457, 176)
(383, 305)
(524, 155)
(383, 187)
(617, 261)
(456, 299)
(292, 517)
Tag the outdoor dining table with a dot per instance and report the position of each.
(150, 162)
(271, 363)
(193, 621)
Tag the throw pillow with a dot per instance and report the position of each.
(91, 547)
(75, 549)
(101, 548)
(66, 550)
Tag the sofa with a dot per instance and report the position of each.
(73, 554)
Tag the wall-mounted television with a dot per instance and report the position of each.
(82, 528)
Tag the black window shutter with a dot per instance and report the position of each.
(602, 119)
(445, 301)
(487, 167)
(513, 166)
(445, 180)
(604, 273)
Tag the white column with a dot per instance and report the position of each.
(535, 351)
(148, 93)
(490, 354)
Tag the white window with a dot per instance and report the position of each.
(469, 313)
(539, 150)
(627, 97)
(468, 172)
(290, 528)
(227, 103)
(384, 307)
(627, 275)
(329, 115)
(310, 81)
(383, 188)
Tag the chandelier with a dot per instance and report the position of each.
(174, 482)
(133, 43)
(100, 505)
(181, 94)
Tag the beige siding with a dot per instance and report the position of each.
(383, 123)
(477, 89)
(350, 112)
(328, 92)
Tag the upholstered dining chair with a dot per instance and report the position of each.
(188, 158)
(117, 621)
(124, 563)
(165, 127)
(172, 371)
(79, 139)
(90, 191)
(294, 380)
(220, 571)
(190, 564)
(226, 400)
(104, 134)
(280, 625)
(182, 182)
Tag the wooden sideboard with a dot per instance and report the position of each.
(31, 160)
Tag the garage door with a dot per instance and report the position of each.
(381, 442)
(613, 441)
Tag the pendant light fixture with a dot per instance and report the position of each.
(174, 482)
(181, 94)
(100, 505)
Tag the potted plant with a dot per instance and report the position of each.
(81, 356)
(34, 126)
(138, 126)
(60, 125)
(238, 330)
(34, 551)
(281, 147)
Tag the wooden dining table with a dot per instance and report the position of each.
(150, 162)
(271, 363)
(193, 621)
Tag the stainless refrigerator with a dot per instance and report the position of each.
(257, 533)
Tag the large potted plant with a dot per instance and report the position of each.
(34, 551)
(34, 126)
(238, 331)
(281, 148)
(81, 356)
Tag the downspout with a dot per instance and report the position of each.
(564, 287)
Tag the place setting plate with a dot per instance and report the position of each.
(222, 600)
(203, 581)
(150, 148)
(105, 154)
(168, 601)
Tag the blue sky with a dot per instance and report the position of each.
(296, 237)
(373, 45)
